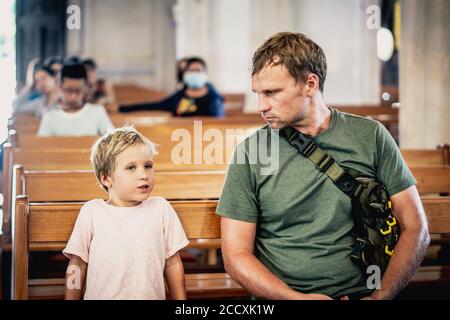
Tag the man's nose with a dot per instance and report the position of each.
(263, 106)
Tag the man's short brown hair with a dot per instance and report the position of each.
(299, 54)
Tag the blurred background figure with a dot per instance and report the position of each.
(55, 63)
(100, 91)
(75, 117)
(46, 85)
(197, 97)
(180, 66)
(28, 91)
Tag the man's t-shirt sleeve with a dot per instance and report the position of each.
(392, 170)
(238, 200)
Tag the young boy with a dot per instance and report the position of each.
(75, 118)
(125, 247)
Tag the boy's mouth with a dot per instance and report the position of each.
(144, 187)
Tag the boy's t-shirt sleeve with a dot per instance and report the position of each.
(80, 240)
(105, 122)
(238, 199)
(174, 236)
(392, 169)
(45, 127)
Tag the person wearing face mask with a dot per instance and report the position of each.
(196, 98)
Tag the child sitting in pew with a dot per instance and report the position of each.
(125, 248)
(75, 118)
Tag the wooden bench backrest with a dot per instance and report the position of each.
(432, 179)
(160, 134)
(53, 223)
(132, 93)
(30, 126)
(427, 157)
(60, 186)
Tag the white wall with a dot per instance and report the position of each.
(138, 40)
(424, 74)
(228, 31)
(132, 41)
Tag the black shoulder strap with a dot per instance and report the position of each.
(341, 178)
(326, 164)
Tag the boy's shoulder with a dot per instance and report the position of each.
(92, 204)
(156, 201)
(97, 108)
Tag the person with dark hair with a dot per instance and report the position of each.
(73, 59)
(45, 82)
(55, 63)
(100, 91)
(180, 67)
(75, 117)
(196, 98)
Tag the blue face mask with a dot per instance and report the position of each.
(194, 80)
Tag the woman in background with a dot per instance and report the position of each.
(46, 84)
(196, 98)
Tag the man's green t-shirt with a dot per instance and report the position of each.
(304, 222)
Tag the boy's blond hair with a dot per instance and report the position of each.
(105, 150)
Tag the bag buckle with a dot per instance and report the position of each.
(358, 249)
(305, 145)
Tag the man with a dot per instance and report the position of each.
(75, 117)
(289, 235)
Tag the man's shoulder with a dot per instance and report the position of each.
(254, 136)
(358, 124)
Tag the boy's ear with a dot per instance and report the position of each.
(105, 180)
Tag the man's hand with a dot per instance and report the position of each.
(316, 296)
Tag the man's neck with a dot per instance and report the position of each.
(317, 118)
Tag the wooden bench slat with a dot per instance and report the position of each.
(432, 179)
(54, 222)
(213, 285)
(46, 186)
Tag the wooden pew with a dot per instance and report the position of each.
(81, 185)
(427, 157)
(132, 93)
(432, 179)
(31, 126)
(50, 223)
(150, 118)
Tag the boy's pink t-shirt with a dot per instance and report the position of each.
(126, 247)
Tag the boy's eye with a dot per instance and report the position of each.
(131, 168)
(149, 166)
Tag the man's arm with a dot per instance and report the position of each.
(411, 247)
(174, 274)
(75, 278)
(237, 250)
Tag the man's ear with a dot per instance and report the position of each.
(105, 180)
(312, 84)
